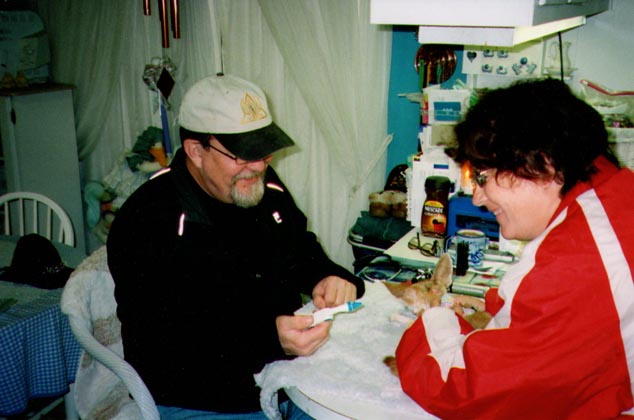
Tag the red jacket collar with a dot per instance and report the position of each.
(605, 170)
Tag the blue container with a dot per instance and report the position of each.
(464, 215)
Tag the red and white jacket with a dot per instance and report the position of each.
(561, 343)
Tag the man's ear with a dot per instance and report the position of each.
(193, 149)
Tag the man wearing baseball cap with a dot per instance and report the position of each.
(210, 259)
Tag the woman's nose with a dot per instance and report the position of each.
(479, 197)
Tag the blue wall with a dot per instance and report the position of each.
(403, 118)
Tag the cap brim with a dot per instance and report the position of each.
(256, 144)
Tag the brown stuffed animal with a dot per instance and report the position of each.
(388, 203)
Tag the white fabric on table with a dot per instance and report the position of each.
(350, 365)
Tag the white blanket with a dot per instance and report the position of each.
(88, 299)
(350, 365)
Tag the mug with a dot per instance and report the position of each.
(476, 241)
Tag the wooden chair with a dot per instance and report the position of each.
(29, 212)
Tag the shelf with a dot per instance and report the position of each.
(30, 90)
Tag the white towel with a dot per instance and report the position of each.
(350, 365)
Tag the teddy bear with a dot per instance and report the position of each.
(388, 203)
(392, 201)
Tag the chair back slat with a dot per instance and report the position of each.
(21, 216)
(49, 222)
(7, 221)
(35, 214)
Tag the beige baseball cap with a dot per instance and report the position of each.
(235, 111)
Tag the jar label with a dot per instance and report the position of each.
(434, 219)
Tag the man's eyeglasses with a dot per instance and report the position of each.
(237, 160)
(479, 177)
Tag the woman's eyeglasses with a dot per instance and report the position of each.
(479, 177)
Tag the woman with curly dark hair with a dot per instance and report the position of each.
(561, 341)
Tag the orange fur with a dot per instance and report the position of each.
(428, 293)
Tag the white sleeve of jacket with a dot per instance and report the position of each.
(445, 340)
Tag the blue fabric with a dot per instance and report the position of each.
(39, 355)
(289, 412)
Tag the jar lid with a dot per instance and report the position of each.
(438, 183)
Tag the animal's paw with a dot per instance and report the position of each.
(402, 318)
(478, 320)
(390, 361)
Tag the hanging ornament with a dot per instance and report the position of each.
(159, 76)
(174, 17)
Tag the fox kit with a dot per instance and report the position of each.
(433, 292)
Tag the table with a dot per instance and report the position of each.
(346, 378)
(475, 281)
(38, 352)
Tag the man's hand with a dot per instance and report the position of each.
(297, 338)
(333, 291)
(294, 332)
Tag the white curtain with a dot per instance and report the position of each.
(323, 66)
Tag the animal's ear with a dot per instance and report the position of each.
(444, 270)
(397, 289)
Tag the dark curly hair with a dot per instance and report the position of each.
(530, 127)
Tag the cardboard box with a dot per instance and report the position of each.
(444, 106)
